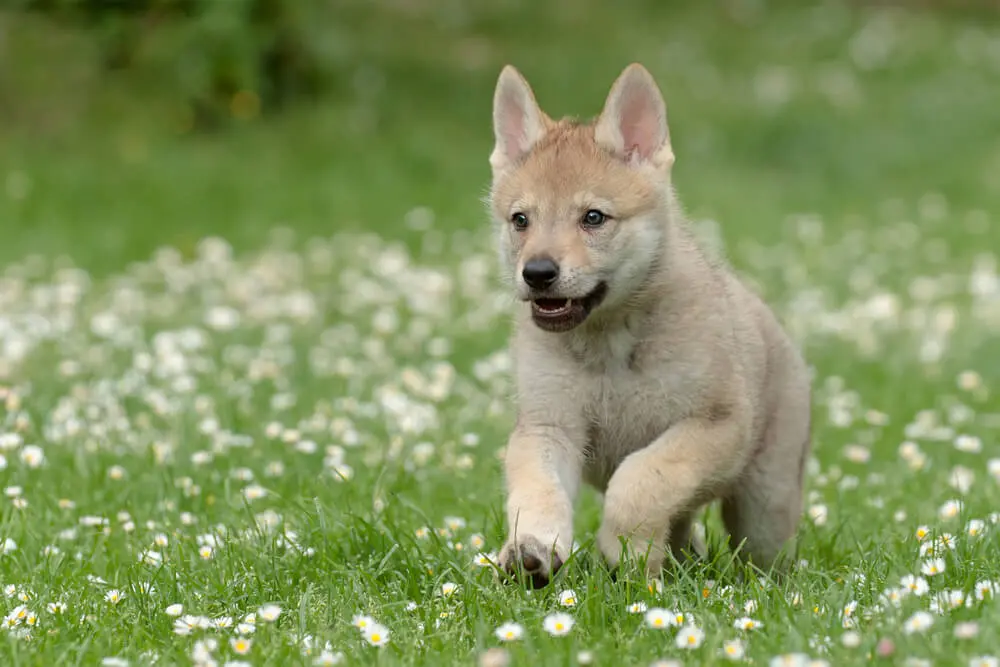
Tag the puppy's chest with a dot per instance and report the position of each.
(625, 411)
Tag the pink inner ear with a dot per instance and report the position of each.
(639, 123)
(513, 123)
(512, 128)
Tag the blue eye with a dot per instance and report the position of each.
(594, 218)
(520, 220)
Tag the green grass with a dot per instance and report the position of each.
(184, 317)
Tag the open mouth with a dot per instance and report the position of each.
(554, 314)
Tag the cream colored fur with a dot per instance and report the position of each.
(678, 389)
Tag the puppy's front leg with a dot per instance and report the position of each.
(543, 468)
(664, 481)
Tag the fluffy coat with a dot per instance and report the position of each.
(643, 367)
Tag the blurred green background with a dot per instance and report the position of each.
(128, 125)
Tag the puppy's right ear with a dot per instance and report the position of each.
(518, 123)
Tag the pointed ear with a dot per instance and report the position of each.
(518, 123)
(633, 123)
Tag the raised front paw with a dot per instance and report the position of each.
(537, 560)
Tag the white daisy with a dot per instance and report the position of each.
(747, 623)
(269, 613)
(509, 632)
(733, 649)
(984, 661)
(689, 637)
(966, 630)
(241, 645)
(659, 618)
(933, 566)
(558, 624)
(362, 622)
(919, 622)
(376, 634)
(916, 585)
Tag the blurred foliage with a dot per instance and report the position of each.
(226, 58)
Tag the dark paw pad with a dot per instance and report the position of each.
(530, 561)
(530, 557)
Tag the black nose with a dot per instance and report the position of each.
(540, 273)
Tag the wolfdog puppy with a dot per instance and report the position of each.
(644, 368)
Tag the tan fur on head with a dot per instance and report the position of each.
(555, 171)
(642, 367)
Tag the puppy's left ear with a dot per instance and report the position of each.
(633, 124)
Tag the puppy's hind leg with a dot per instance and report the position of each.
(765, 506)
(684, 543)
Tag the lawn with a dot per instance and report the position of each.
(254, 383)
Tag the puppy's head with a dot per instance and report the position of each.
(580, 208)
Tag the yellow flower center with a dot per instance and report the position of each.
(376, 637)
(559, 626)
(692, 639)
